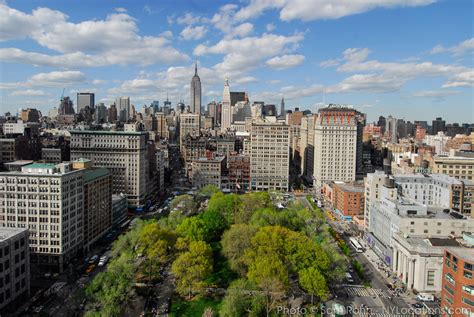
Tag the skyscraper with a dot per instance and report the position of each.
(196, 92)
(226, 109)
(85, 99)
(282, 107)
(336, 147)
(438, 125)
(123, 108)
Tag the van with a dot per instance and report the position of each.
(425, 297)
(349, 278)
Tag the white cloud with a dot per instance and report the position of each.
(224, 20)
(28, 92)
(435, 94)
(57, 78)
(274, 81)
(193, 32)
(188, 19)
(120, 10)
(270, 27)
(248, 53)
(246, 80)
(99, 82)
(149, 10)
(309, 10)
(459, 49)
(329, 63)
(167, 34)
(461, 79)
(285, 61)
(95, 42)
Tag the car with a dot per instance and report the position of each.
(47, 275)
(103, 260)
(351, 269)
(417, 305)
(90, 268)
(425, 297)
(93, 259)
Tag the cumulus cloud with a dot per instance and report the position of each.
(248, 53)
(285, 61)
(270, 27)
(114, 40)
(193, 32)
(461, 79)
(309, 10)
(188, 19)
(459, 49)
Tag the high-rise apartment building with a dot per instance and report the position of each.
(438, 125)
(47, 199)
(188, 125)
(85, 99)
(226, 116)
(15, 266)
(123, 153)
(196, 92)
(307, 145)
(269, 155)
(336, 154)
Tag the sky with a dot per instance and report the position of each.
(412, 59)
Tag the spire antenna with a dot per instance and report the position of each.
(196, 67)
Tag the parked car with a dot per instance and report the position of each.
(425, 297)
(90, 268)
(93, 259)
(103, 260)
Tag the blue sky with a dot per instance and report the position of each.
(409, 58)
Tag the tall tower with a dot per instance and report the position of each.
(196, 92)
(226, 108)
(282, 107)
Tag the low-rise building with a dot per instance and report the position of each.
(459, 164)
(457, 294)
(208, 171)
(238, 166)
(14, 266)
(51, 155)
(348, 199)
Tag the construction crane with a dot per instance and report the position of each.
(62, 95)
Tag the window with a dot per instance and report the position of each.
(467, 274)
(448, 277)
(431, 278)
(468, 289)
(468, 301)
(449, 290)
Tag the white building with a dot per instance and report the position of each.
(123, 153)
(335, 145)
(438, 141)
(123, 108)
(47, 199)
(85, 99)
(15, 263)
(189, 124)
(269, 156)
(226, 115)
(373, 184)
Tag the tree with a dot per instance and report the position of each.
(192, 228)
(241, 298)
(207, 191)
(271, 276)
(235, 242)
(174, 218)
(214, 223)
(227, 205)
(185, 203)
(312, 281)
(192, 267)
(250, 203)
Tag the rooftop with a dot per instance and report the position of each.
(19, 163)
(95, 173)
(351, 188)
(462, 253)
(7, 233)
(41, 165)
(99, 132)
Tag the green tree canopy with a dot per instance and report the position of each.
(312, 281)
(192, 267)
(227, 205)
(235, 242)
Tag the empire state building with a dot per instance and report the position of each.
(196, 92)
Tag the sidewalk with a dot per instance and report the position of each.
(386, 273)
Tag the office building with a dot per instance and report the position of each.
(238, 166)
(188, 125)
(112, 114)
(307, 146)
(338, 144)
(282, 107)
(66, 107)
(15, 267)
(269, 156)
(124, 111)
(30, 115)
(196, 92)
(51, 155)
(119, 209)
(123, 153)
(208, 170)
(97, 201)
(47, 199)
(85, 99)
(438, 125)
(457, 293)
(459, 164)
(226, 116)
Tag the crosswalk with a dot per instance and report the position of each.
(368, 292)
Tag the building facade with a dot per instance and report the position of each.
(15, 266)
(269, 156)
(123, 153)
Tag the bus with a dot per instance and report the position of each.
(356, 245)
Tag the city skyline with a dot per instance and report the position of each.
(309, 57)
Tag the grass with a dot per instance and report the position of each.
(181, 307)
